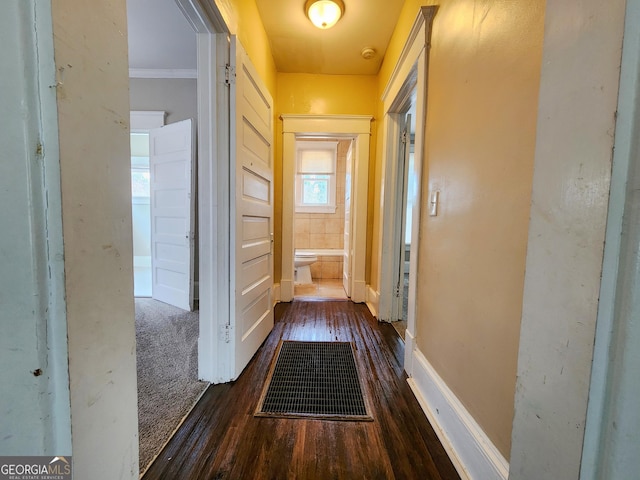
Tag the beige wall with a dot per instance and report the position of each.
(319, 95)
(483, 85)
(93, 116)
(176, 96)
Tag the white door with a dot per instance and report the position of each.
(346, 261)
(252, 209)
(171, 150)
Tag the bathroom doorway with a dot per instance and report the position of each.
(321, 212)
(356, 131)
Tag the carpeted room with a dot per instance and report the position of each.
(167, 366)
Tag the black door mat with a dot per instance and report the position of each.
(314, 380)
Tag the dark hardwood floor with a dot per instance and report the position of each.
(222, 439)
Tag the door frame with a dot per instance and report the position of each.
(358, 128)
(348, 221)
(614, 385)
(212, 184)
(409, 75)
(143, 121)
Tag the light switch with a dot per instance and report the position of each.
(433, 203)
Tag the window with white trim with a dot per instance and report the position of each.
(316, 176)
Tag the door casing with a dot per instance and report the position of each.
(357, 127)
(409, 75)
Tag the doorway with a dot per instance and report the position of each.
(405, 92)
(164, 231)
(407, 185)
(322, 187)
(355, 129)
(401, 210)
(170, 340)
(140, 207)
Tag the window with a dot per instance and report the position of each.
(316, 176)
(140, 188)
(140, 177)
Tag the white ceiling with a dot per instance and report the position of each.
(161, 38)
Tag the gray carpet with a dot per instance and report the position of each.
(168, 385)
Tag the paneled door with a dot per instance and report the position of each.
(171, 150)
(251, 208)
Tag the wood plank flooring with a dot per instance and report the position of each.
(222, 439)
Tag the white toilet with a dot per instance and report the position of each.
(302, 263)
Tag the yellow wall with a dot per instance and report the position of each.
(243, 20)
(483, 83)
(318, 95)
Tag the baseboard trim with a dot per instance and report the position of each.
(276, 293)
(372, 299)
(470, 450)
(359, 292)
(286, 290)
(409, 346)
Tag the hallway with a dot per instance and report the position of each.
(222, 439)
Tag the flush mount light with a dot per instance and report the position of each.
(324, 13)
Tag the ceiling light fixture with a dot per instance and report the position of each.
(324, 13)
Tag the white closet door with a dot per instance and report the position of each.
(171, 152)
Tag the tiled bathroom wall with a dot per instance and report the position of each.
(327, 267)
(325, 230)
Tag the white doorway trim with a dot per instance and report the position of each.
(357, 127)
(409, 74)
(611, 429)
(213, 182)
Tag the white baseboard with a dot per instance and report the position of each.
(472, 453)
(286, 290)
(409, 346)
(372, 300)
(359, 292)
